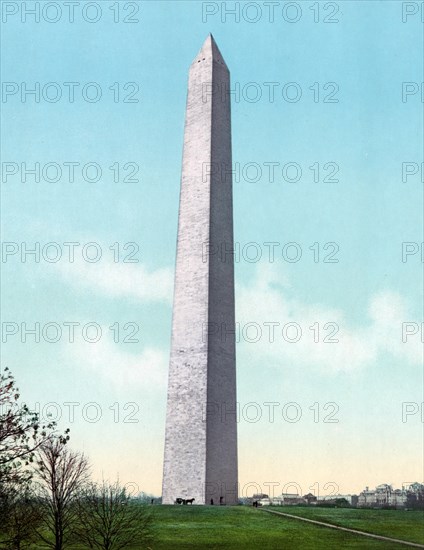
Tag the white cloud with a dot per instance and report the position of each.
(270, 297)
(267, 299)
(389, 311)
(108, 360)
(120, 279)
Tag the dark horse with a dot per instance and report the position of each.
(184, 500)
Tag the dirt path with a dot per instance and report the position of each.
(355, 531)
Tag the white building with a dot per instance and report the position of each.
(367, 498)
(384, 495)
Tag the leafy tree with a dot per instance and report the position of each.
(21, 434)
(20, 430)
(342, 503)
(109, 519)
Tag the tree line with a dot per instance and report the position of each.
(47, 496)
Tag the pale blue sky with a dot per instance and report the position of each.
(369, 133)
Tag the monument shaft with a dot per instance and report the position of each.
(201, 426)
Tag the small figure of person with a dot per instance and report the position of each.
(211, 501)
(152, 501)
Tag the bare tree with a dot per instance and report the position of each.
(109, 519)
(22, 518)
(62, 474)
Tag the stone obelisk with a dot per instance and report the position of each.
(201, 425)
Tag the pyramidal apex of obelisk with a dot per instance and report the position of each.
(210, 50)
(200, 458)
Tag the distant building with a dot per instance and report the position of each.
(260, 498)
(379, 497)
(398, 498)
(354, 501)
(384, 496)
(416, 487)
(310, 498)
(367, 498)
(287, 499)
(415, 496)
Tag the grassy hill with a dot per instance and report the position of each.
(400, 524)
(247, 528)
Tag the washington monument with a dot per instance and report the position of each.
(201, 426)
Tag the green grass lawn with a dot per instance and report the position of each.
(246, 528)
(401, 524)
